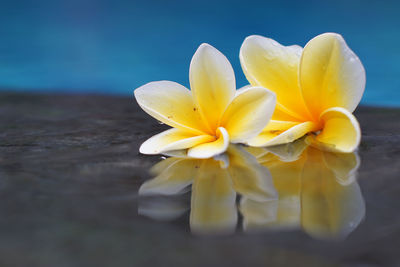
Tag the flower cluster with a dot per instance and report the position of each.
(293, 92)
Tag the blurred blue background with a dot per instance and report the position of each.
(113, 47)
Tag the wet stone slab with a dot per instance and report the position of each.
(70, 172)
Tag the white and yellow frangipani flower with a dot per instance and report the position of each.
(210, 116)
(317, 90)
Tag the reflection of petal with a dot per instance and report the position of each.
(334, 213)
(213, 207)
(317, 192)
(162, 209)
(256, 152)
(329, 209)
(182, 153)
(344, 166)
(223, 160)
(174, 175)
(287, 180)
(249, 178)
(257, 213)
(162, 165)
(282, 214)
(289, 152)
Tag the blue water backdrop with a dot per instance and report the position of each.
(115, 46)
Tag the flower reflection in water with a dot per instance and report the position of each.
(318, 192)
(285, 187)
(215, 184)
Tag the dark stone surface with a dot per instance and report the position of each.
(69, 177)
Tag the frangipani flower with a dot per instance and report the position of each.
(317, 90)
(211, 115)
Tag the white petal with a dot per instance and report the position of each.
(277, 137)
(212, 82)
(172, 139)
(269, 64)
(331, 75)
(170, 103)
(341, 132)
(248, 113)
(211, 149)
(242, 89)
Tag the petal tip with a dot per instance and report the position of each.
(205, 45)
(329, 35)
(253, 37)
(146, 150)
(204, 48)
(138, 92)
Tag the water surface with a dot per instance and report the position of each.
(74, 191)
